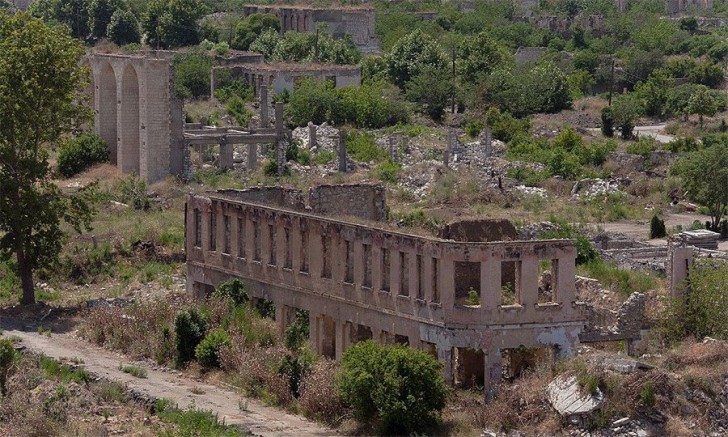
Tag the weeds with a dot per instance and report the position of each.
(193, 422)
(135, 371)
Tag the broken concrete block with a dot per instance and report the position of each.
(569, 399)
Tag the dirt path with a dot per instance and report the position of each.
(254, 416)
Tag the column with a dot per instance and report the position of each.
(264, 121)
(444, 355)
(312, 140)
(342, 154)
(252, 156)
(528, 281)
(342, 338)
(280, 146)
(226, 155)
(493, 371)
(314, 335)
(446, 276)
(490, 284)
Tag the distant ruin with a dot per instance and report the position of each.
(358, 22)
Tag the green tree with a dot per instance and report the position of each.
(173, 23)
(478, 56)
(251, 27)
(432, 89)
(124, 28)
(72, 13)
(704, 176)
(626, 109)
(702, 102)
(654, 92)
(399, 388)
(192, 71)
(100, 12)
(312, 100)
(266, 43)
(411, 54)
(41, 82)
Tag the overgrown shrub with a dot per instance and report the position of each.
(387, 171)
(318, 396)
(607, 122)
(80, 153)
(208, 351)
(400, 389)
(192, 74)
(657, 227)
(362, 147)
(585, 250)
(238, 111)
(133, 191)
(189, 330)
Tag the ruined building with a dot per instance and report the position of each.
(358, 22)
(474, 305)
(138, 114)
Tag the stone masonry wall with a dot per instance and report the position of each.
(358, 200)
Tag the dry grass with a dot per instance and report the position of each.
(319, 398)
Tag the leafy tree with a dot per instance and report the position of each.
(72, 13)
(641, 63)
(702, 103)
(124, 28)
(704, 176)
(654, 92)
(251, 27)
(411, 54)
(306, 47)
(689, 24)
(173, 23)
(432, 89)
(706, 73)
(312, 100)
(373, 69)
(100, 12)
(679, 97)
(192, 72)
(477, 56)
(399, 388)
(607, 116)
(41, 83)
(266, 43)
(657, 227)
(626, 109)
(190, 327)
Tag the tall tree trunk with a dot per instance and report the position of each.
(26, 279)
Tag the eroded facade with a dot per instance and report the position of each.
(361, 282)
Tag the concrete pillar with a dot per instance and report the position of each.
(280, 147)
(252, 156)
(528, 281)
(493, 371)
(444, 355)
(486, 142)
(226, 155)
(490, 284)
(264, 121)
(342, 339)
(312, 140)
(450, 147)
(393, 149)
(342, 153)
(314, 331)
(446, 276)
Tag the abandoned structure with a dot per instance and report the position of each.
(138, 114)
(475, 305)
(358, 22)
(279, 76)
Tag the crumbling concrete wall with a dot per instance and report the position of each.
(366, 201)
(281, 197)
(138, 114)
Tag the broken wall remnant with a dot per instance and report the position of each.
(138, 114)
(365, 201)
(398, 287)
(280, 76)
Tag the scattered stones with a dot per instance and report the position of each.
(327, 137)
(591, 188)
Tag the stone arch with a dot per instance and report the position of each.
(129, 143)
(107, 108)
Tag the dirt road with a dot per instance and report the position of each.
(230, 406)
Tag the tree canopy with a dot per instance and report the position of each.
(41, 82)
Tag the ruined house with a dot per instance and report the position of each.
(359, 280)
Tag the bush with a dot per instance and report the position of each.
(387, 171)
(234, 290)
(238, 111)
(133, 192)
(208, 351)
(189, 330)
(585, 250)
(363, 148)
(399, 388)
(192, 74)
(80, 153)
(8, 356)
(657, 227)
(607, 122)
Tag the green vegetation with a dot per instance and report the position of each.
(36, 112)
(135, 371)
(80, 153)
(624, 282)
(208, 351)
(305, 47)
(190, 327)
(8, 357)
(193, 422)
(399, 389)
(192, 74)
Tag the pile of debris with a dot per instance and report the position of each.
(592, 188)
(327, 137)
(701, 238)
